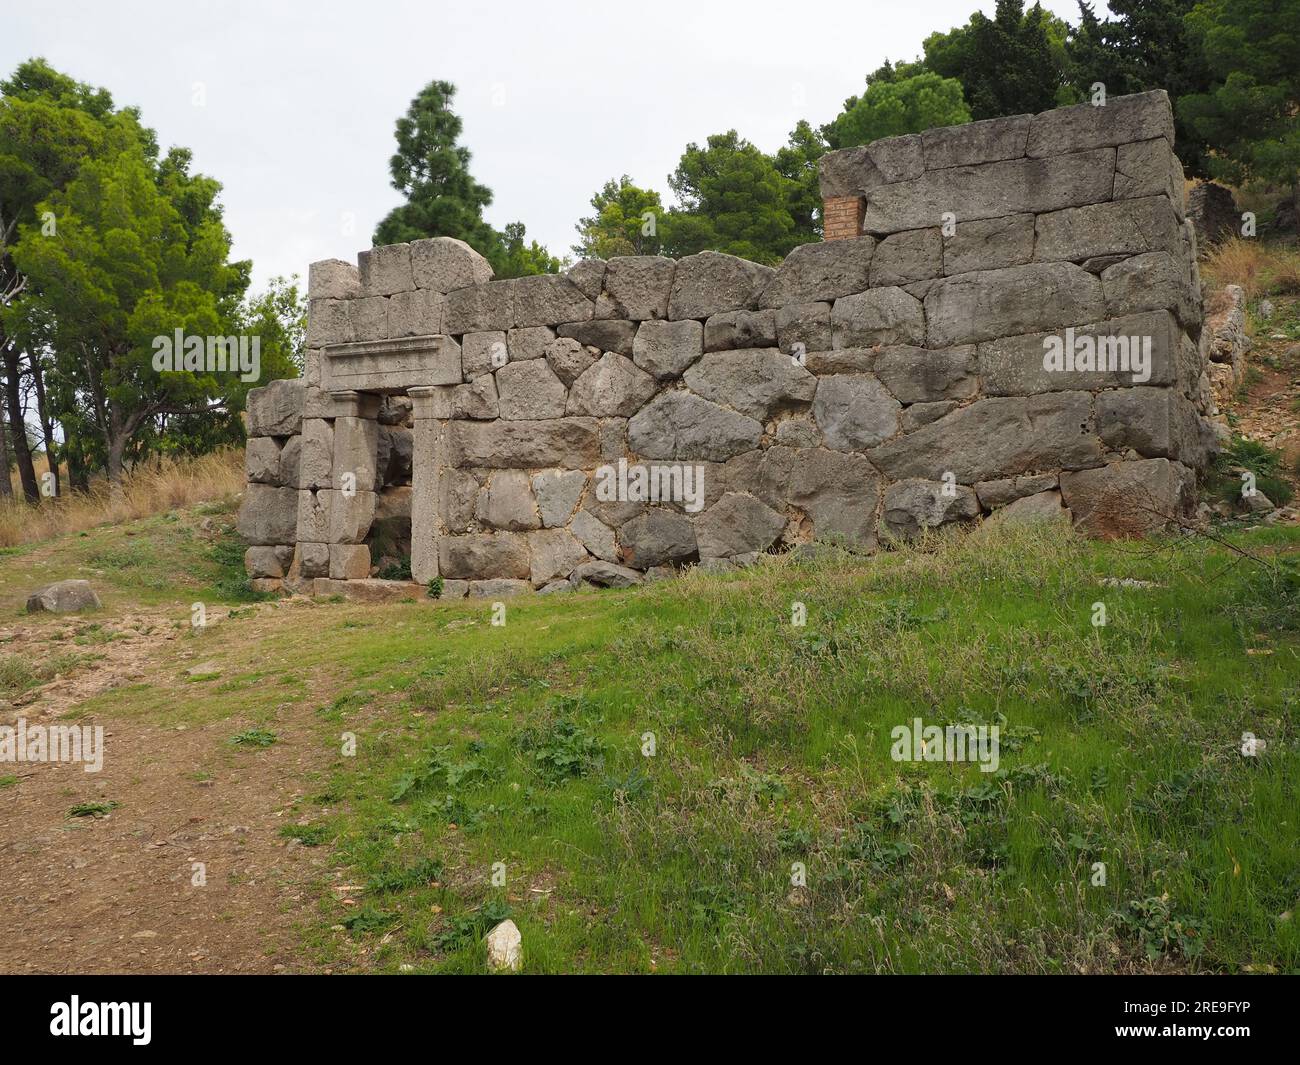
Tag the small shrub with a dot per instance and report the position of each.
(254, 737)
(435, 588)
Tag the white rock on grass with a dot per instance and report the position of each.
(505, 948)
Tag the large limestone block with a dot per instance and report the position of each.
(1154, 422)
(838, 492)
(333, 279)
(415, 313)
(1122, 119)
(507, 502)
(554, 553)
(1154, 281)
(266, 562)
(329, 321)
(1006, 490)
(351, 515)
(528, 342)
(987, 141)
(1149, 168)
(915, 375)
(905, 257)
(557, 493)
(484, 555)
(1109, 354)
(483, 352)
(1018, 299)
(995, 438)
(455, 497)
(1017, 186)
(547, 299)
(369, 316)
(569, 359)
(268, 515)
(711, 281)
(1042, 509)
(803, 327)
(758, 382)
(658, 537)
(635, 287)
(64, 597)
(445, 263)
(588, 275)
(1125, 227)
(666, 349)
(479, 308)
(1128, 499)
(854, 411)
(683, 425)
(881, 316)
(571, 443)
(356, 443)
(316, 454)
(612, 387)
(391, 366)
(730, 330)
(262, 460)
(852, 171)
(607, 334)
(385, 270)
(736, 525)
(595, 535)
(815, 272)
(477, 399)
(989, 244)
(530, 391)
(349, 562)
(914, 505)
(275, 409)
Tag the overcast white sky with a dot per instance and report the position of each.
(556, 97)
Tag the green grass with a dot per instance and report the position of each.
(517, 752)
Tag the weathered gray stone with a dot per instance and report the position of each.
(482, 555)
(553, 587)
(312, 560)
(993, 494)
(798, 432)
(385, 269)
(265, 562)
(758, 382)
(987, 141)
(333, 279)
(1125, 227)
(852, 171)
(388, 366)
(356, 443)
(329, 322)
(666, 349)
(484, 352)
(547, 299)
(837, 493)
(275, 409)
(507, 502)
(847, 360)
(1128, 499)
(995, 438)
(730, 330)
(710, 281)
(456, 497)
(558, 492)
(919, 414)
(1213, 212)
(915, 375)
(64, 597)
(914, 505)
(803, 327)
(1122, 119)
(735, 524)
(608, 334)
(498, 588)
(1154, 281)
(445, 263)
(1154, 422)
(588, 275)
(595, 535)
(1019, 299)
(290, 462)
(349, 562)
(316, 454)
(815, 272)
(1042, 509)
(658, 538)
(415, 313)
(573, 443)
(530, 391)
(1017, 186)
(268, 515)
(881, 316)
(636, 287)
(989, 244)
(854, 411)
(555, 553)
(262, 461)
(905, 257)
(612, 387)
(528, 342)
(605, 575)
(569, 359)
(1016, 366)
(1149, 168)
(369, 316)
(478, 399)
(683, 425)
(479, 308)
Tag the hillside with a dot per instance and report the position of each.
(522, 744)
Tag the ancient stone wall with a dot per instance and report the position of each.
(1013, 331)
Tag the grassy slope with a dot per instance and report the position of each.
(522, 744)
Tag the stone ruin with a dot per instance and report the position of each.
(896, 377)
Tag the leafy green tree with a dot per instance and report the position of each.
(1251, 116)
(626, 222)
(514, 256)
(902, 105)
(797, 163)
(732, 199)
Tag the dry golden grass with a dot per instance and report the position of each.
(153, 488)
(1237, 262)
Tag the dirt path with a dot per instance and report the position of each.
(122, 892)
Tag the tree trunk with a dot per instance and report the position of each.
(6, 484)
(17, 426)
(78, 471)
(47, 427)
